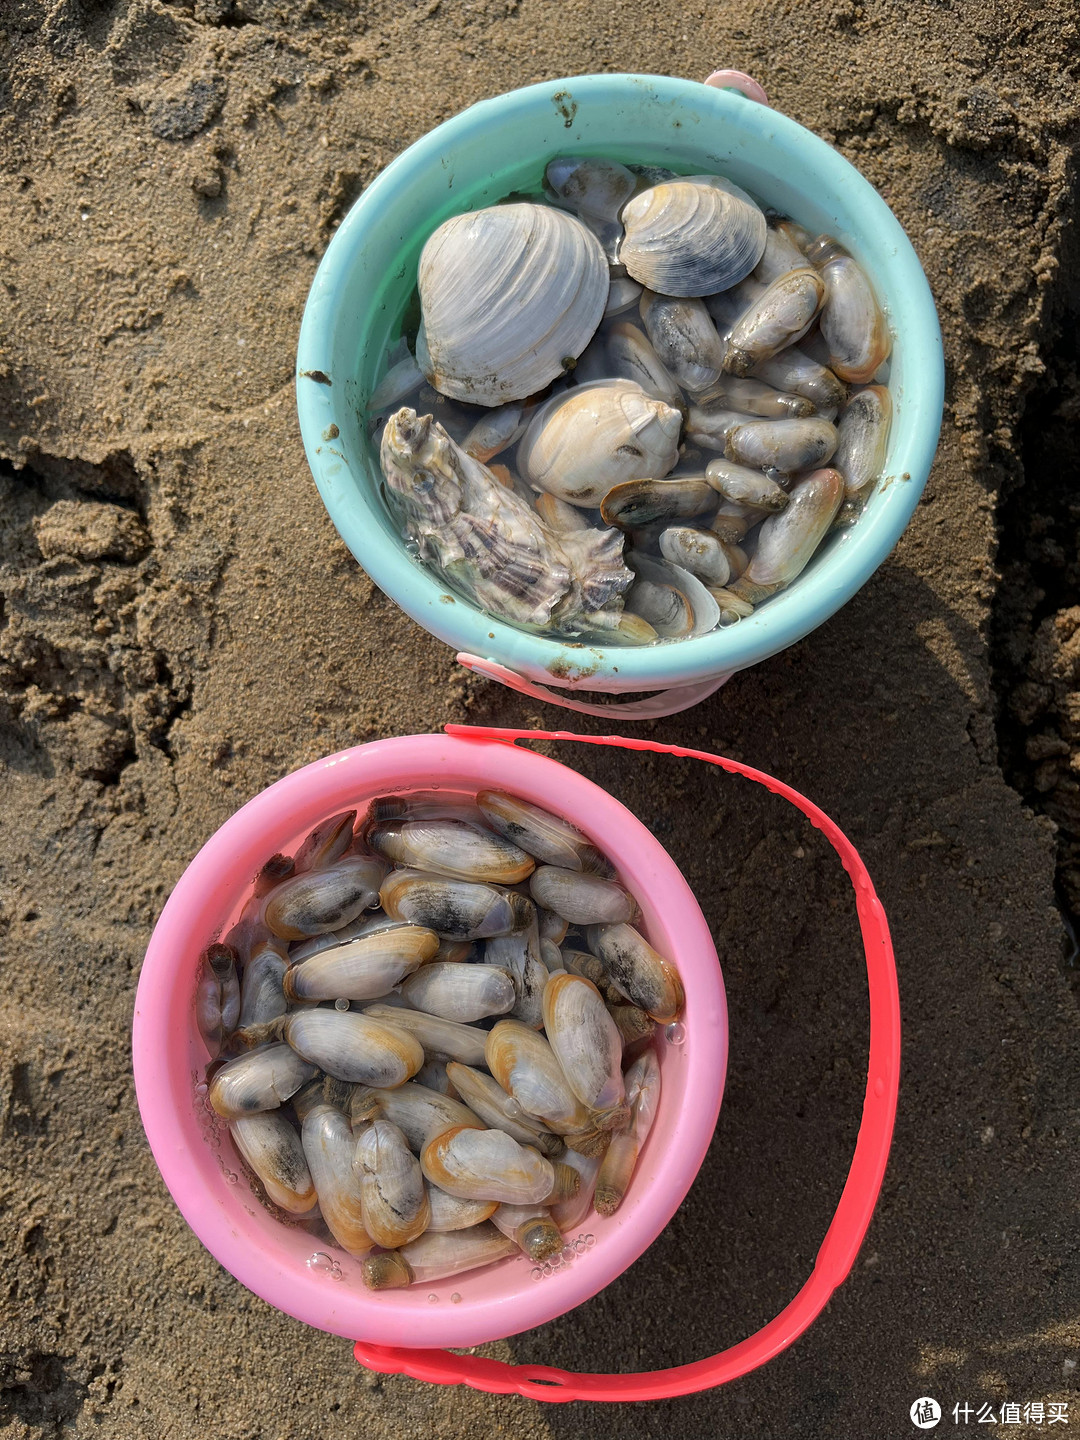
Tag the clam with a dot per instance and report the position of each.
(454, 909)
(394, 1200)
(703, 616)
(581, 443)
(699, 551)
(322, 900)
(733, 608)
(443, 1038)
(590, 185)
(637, 503)
(780, 255)
(531, 1228)
(622, 294)
(795, 372)
(436, 1255)
(261, 995)
(779, 317)
(632, 1023)
(583, 962)
(487, 1165)
(461, 993)
(272, 1148)
(395, 387)
(863, 429)
(552, 927)
(423, 805)
(568, 1214)
(419, 1113)
(664, 607)
(638, 971)
(631, 355)
(721, 182)
(711, 426)
(752, 397)
(432, 1075)
(684, 339)
(745, 486)
(557, 515)
(687, 239)
(508, 295)
(852, 324)
(217, 999)
(526, 1067)
(452, 1212)
(587, 1045)
(519, 956)
(500, 1111)
(354, 1047)
(783, 445)
(548, 837)
(580, 899)
(326, 843)
(788, 540)
(734, 519)
(262, 1079)
(496, 431)
(617, 1166)
(362, 969)
(453, 848)
(329, 1147)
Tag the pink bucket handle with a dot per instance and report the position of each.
(853, 1214)
(667, 702)
(738, 80)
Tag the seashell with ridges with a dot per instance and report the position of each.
(549, 838)
(329, 1147)
(500, 1111)
(684, 339)
(638, 971)
(361, 969)
(419, 1113)
(580, 899)
(262, 1079)
(526, 1067)
(447, 1039)
(863, 429)
(779, 317)
(688, 239)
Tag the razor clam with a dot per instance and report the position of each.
(587, 1045)
(617, 1166)
(508, 294)
(688, 239)
(788, 540)
(454, 909)
(752, 397)
(496, 431)
(461, 993)
(487, 1165)
(637, 503)
(451, 1212)
(852, 325)
(436, 1255)
(440, 1038)
(631, 355)
(549, 838)
(581, 443)
(500, 1111)
(261, 995)
(580, 899)
(419, 1113)
(622, 294)
(797, 373)
(217, 999)
(489, 542)
(863, 429)
(322, 900)
(394, 1200)
(704, 615)
(684, 339)
(329, 1148)
(568, 1214)
(590, 185)
(699, 551)
(262, 1079)
(780, 255)
(272, 1149)
(783, 445)
(355, 1047)
(746, 487)
(779, 317)
(451, 847)
(519, 955)
(526, 1067)
(638, 971)
(531, 1228)
(326, 843)
(362, 969)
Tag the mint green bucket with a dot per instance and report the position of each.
(366, 280)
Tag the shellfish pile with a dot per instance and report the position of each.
(648, 402)
(431, 1033)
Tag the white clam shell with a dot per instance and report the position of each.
(519, 955)
(452, 1212)
(262, 1079)
(586, 1041)
(271, 1146)
(439, 1037)
(486, 1098)
(508, 295)
(487, 1165)
(526, 1067)
(454, 848)
(355, 1048)
(419, 1113)
(462, 993)
(582, 443)
(787, 541)
(393, 1197)
(580, 899)
(688, 239)
(328, 1148)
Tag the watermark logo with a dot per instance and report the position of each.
(925, 1413)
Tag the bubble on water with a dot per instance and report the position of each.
(433, 1299)
(579, 1245)
(512, 1110)
(324, 1264)
(675, 1033)
(537, 1273)
(590, 1241)
(412, 547)
(230, 1178)
(455, 1298)
(568, 1252)
(548, 1270)
(341, 1004)
(201, 1089)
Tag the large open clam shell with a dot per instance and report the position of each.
(507, 295)
(690, 239)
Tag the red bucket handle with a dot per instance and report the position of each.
(853, 1214)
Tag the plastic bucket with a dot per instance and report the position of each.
(393, 1329)
(357, 304)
